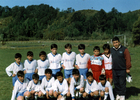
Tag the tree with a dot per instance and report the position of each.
(136, 32)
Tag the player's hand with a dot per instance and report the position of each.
(13, 75)
(32, 92)
(60, 96)
(77, 67)
(127, 70)
(25, 72)
(63, 66)
(47, 96)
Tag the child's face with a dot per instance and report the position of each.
(42, 57)
(106, 51)
(76, 76)
(82, 51)
(60, 78)
(35, 81)
(21, 78)
(96, 52)
(68, 49)
(116, 44)
(18, 60)
(90, 78)
(30, 58)
(102, 82)
(54, 50)
(48, 75)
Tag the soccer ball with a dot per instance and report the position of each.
(128, 78)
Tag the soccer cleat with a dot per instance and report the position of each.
(122, 97)
(117, 97)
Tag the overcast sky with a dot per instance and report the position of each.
(121, 5)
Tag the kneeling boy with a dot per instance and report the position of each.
(91, 88)
(60, 87)
(20, 91)
(34, 86)
(76, 84)
(105, 88)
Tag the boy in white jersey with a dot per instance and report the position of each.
(30, 66)
(42, 64)
(20, 91)
(105, 88)
(60, 87)
(15, 67)
(76, 84)
(91, 88)
(54, 60)
(34, 86)
(82, 60)
(46, 85)
(107, 62)
(67, 62)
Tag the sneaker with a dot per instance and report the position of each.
(122, 97)
(117, 97)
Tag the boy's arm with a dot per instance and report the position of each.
(72, 89)
(86, 88)
(76, 64)
(103, 68)
(42, 87)
(62, 61)
(8, 69)
(66, 88)
(14, 92)
(36, 67)
(111, 92)
(89, 64)
(52, 82)
(29, 86)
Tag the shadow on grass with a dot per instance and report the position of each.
(132, 91)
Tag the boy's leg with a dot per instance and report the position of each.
(68, 75)
(14, 79)
(54, 71)
(85, 95)
(40, 94)
(27, 95)
(50, 93)
(96, 75)
(106, 93)
(83, 72)
(20, 98)
(55, 94)
(95, 95)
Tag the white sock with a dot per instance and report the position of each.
(80, 94)
(36, 97)
(122, 97)
(106, 95)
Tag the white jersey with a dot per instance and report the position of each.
(68, 60)
(19, 87)
(47, 85)
(30, 66)
(76, 85)
(91, 87)
(32, 86)
(14, 67)
(41, 66)
(81, 61)
(107, 62)
(54, 61)
(61, 87)
(102, 88)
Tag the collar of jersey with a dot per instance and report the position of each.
(62, 82)
(17, 64)
(30, 61)
(118, 47)
(89, 83)
(42, 60)
(69, 53)
(21, 82)
(36, 83)
(53, 54)
(81, 55)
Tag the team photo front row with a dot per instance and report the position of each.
(85, 77)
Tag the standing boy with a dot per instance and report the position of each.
(20, 91)
(67, 62)
(121, 64)
(91, 89)
(54, 60)
(30, 66)
(42, 64)
(46, 85)
(76, 84)
(82, 60)
(15, 67)
(96, 63)
(105, 88)
(108, 62)
(60, 87)
(34, 86)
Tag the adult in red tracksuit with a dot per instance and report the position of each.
(121, 64)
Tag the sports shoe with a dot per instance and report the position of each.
(117, 97)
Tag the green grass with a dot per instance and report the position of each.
(7, 57)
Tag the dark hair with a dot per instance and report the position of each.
(20, 73)
(89, 74)
(68, 45)
(106, 46)
(30, 53)
(59, 74)
(116, 39)
(53, 46)
(81, 46)
(42, 53)
(35, 76)
(18, 55)
(102, 77)
(75, 72)
(96, 48)
(48, 71)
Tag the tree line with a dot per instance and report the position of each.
(45, 22)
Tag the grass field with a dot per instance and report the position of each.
(10, 48)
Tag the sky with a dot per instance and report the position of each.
(121, 5)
